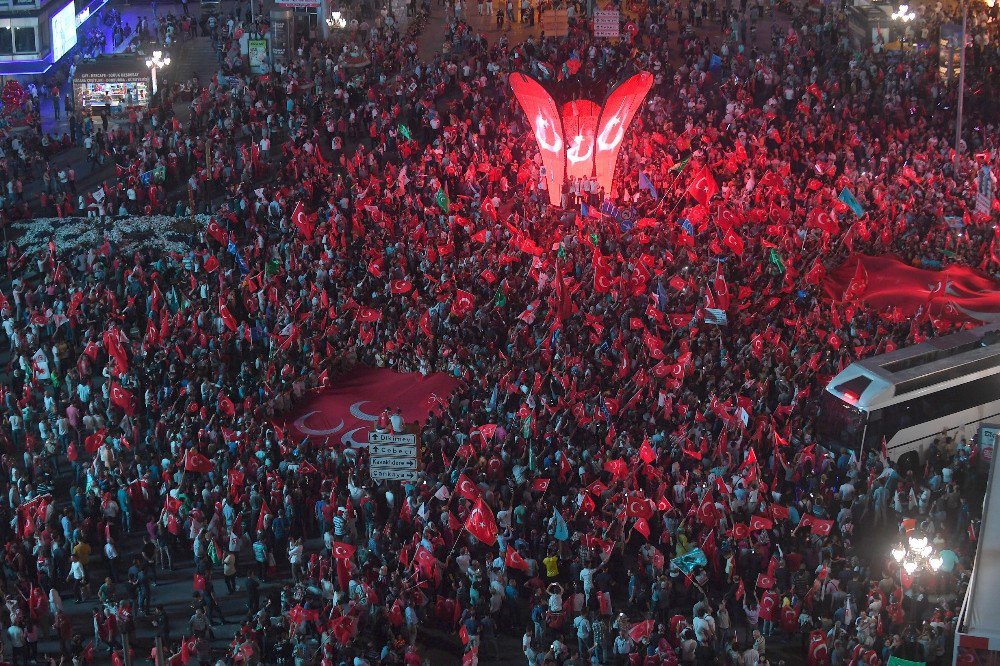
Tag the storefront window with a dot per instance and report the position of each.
(24, 40)
(6, 41)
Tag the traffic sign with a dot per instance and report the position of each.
(394, 463)
(391, 438)
(392, 450)
(393, 474)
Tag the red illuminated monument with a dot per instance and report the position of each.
(582, 139)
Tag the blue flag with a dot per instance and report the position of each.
(646, 184)
(235, 251)
(687, 562)
(561, 531)
(848, 199)
(610, 209)
(687, 226)
(584, 210)
(715, 62)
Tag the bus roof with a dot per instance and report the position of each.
(883, 379)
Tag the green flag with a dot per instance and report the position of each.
(687, 562)
(272, 268)
(680, 165)
(442, 201)
(526, 428)
(499, 298)
(776, 260)
(897, 661)
(405, 131)
(562, 251)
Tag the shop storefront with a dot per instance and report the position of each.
(118, 82)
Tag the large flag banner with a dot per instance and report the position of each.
(688, 561)
(955, 294)
(345, 411)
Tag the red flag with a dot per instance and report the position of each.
(703, 186)
(740, 590)
(707, 513)
(342, 551)
(760, 523)
(646, 452)
(641, 630)
(481, 523)
(216, 232)
(779, 512)
(821, 527)
(765, 582)
(227, 317)
(733, 242)
(401, 286)
(122, 399)
(226, 405)
(210, 265)
(513, 560)
(858, 285)
(467, 489)
(93, 442)
(463, 304)
(196, 462)
(367, 315)
(540, 485)
(265, 511)
(642, 527)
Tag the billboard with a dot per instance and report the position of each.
(585, 138)
(543, 117)
(63, 26)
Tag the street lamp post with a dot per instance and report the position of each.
(157, 62)
(961, 87)
(904, 15)
(916, 553)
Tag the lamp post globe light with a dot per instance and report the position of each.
(916, 553)
(337, 20)
(156, 63)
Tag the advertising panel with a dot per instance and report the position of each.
(579, 119)
(63, 26)
(616, 116)
(257, 54)
(543, 117)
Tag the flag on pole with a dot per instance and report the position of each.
(677, 168)
(847, 198)
(442, 201)
(776, 260)
(646, 184)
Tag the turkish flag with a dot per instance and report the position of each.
(740, 531)
(463, 304)
(226, 405)
(765, 582)
(227, 317)
(540, 485)
(93, 442)
(401, 286)
(514, 560)
(171, 504)
(707, 513)
(342, 551)
(821, 527)
(603, 282)
(343, 629)
(646, 452)
(703, 186)
(741, 590)
(216, 232)
(597, 488)
(196, 462)
(733, 242)
(641, 630)
(481, 523)
(367, 315)
(760, 523)
(210, 264)
(123, 399)
(779, 512)
(467, 489)
(639, 507)
(642, 527)
(487, 430)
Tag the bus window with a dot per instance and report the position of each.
(840, 425)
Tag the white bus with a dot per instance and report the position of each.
(911, 395)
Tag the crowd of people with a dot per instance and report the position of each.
(618, 479)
